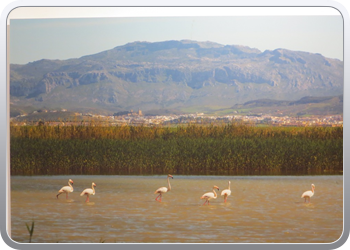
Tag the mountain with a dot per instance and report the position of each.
(173, 75)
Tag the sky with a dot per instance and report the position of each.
(63, 38)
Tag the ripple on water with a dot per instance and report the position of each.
(124, 210)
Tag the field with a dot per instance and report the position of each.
(231, 149)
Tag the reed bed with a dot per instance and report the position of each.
(230, 149)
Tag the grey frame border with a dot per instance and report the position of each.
(4, 124)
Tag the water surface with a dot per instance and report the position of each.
(264, 209)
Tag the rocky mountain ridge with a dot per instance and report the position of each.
(174, 75)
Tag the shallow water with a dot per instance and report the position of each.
(260, 209)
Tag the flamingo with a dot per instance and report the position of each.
(308, 194)
(162, 190)
(210, 195)
(226, 192)
(66, 189)
(88, 192)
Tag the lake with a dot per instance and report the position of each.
(261, 209)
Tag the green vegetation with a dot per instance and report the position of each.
(229, 149)
(30, 231)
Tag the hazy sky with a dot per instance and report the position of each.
(35, 39)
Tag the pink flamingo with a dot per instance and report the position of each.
(88, 192)
(308, 194)
(66, 189)
(210, 195)
(226, 192)
(162, 190)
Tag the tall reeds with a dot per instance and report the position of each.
(228, 149)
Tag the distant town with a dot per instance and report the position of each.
(138, 118)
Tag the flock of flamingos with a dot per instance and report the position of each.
(207, 196)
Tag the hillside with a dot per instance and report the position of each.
(309, 105)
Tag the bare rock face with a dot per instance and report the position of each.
(182, 72)
(92, 77)
(52, 80)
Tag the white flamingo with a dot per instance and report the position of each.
(226, 192)
(210, 195)
(66, 189)
(88, 192)
(162, 190)
(308, 194)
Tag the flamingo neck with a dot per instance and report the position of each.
(169, 187)
(70, 185)
(312, 189)
(92, 187)
(215, 195)
(229, 186)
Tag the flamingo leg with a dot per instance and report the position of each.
(204, 202)
(308, 199)
(87, 198)
(159, 196)
(61, 193)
